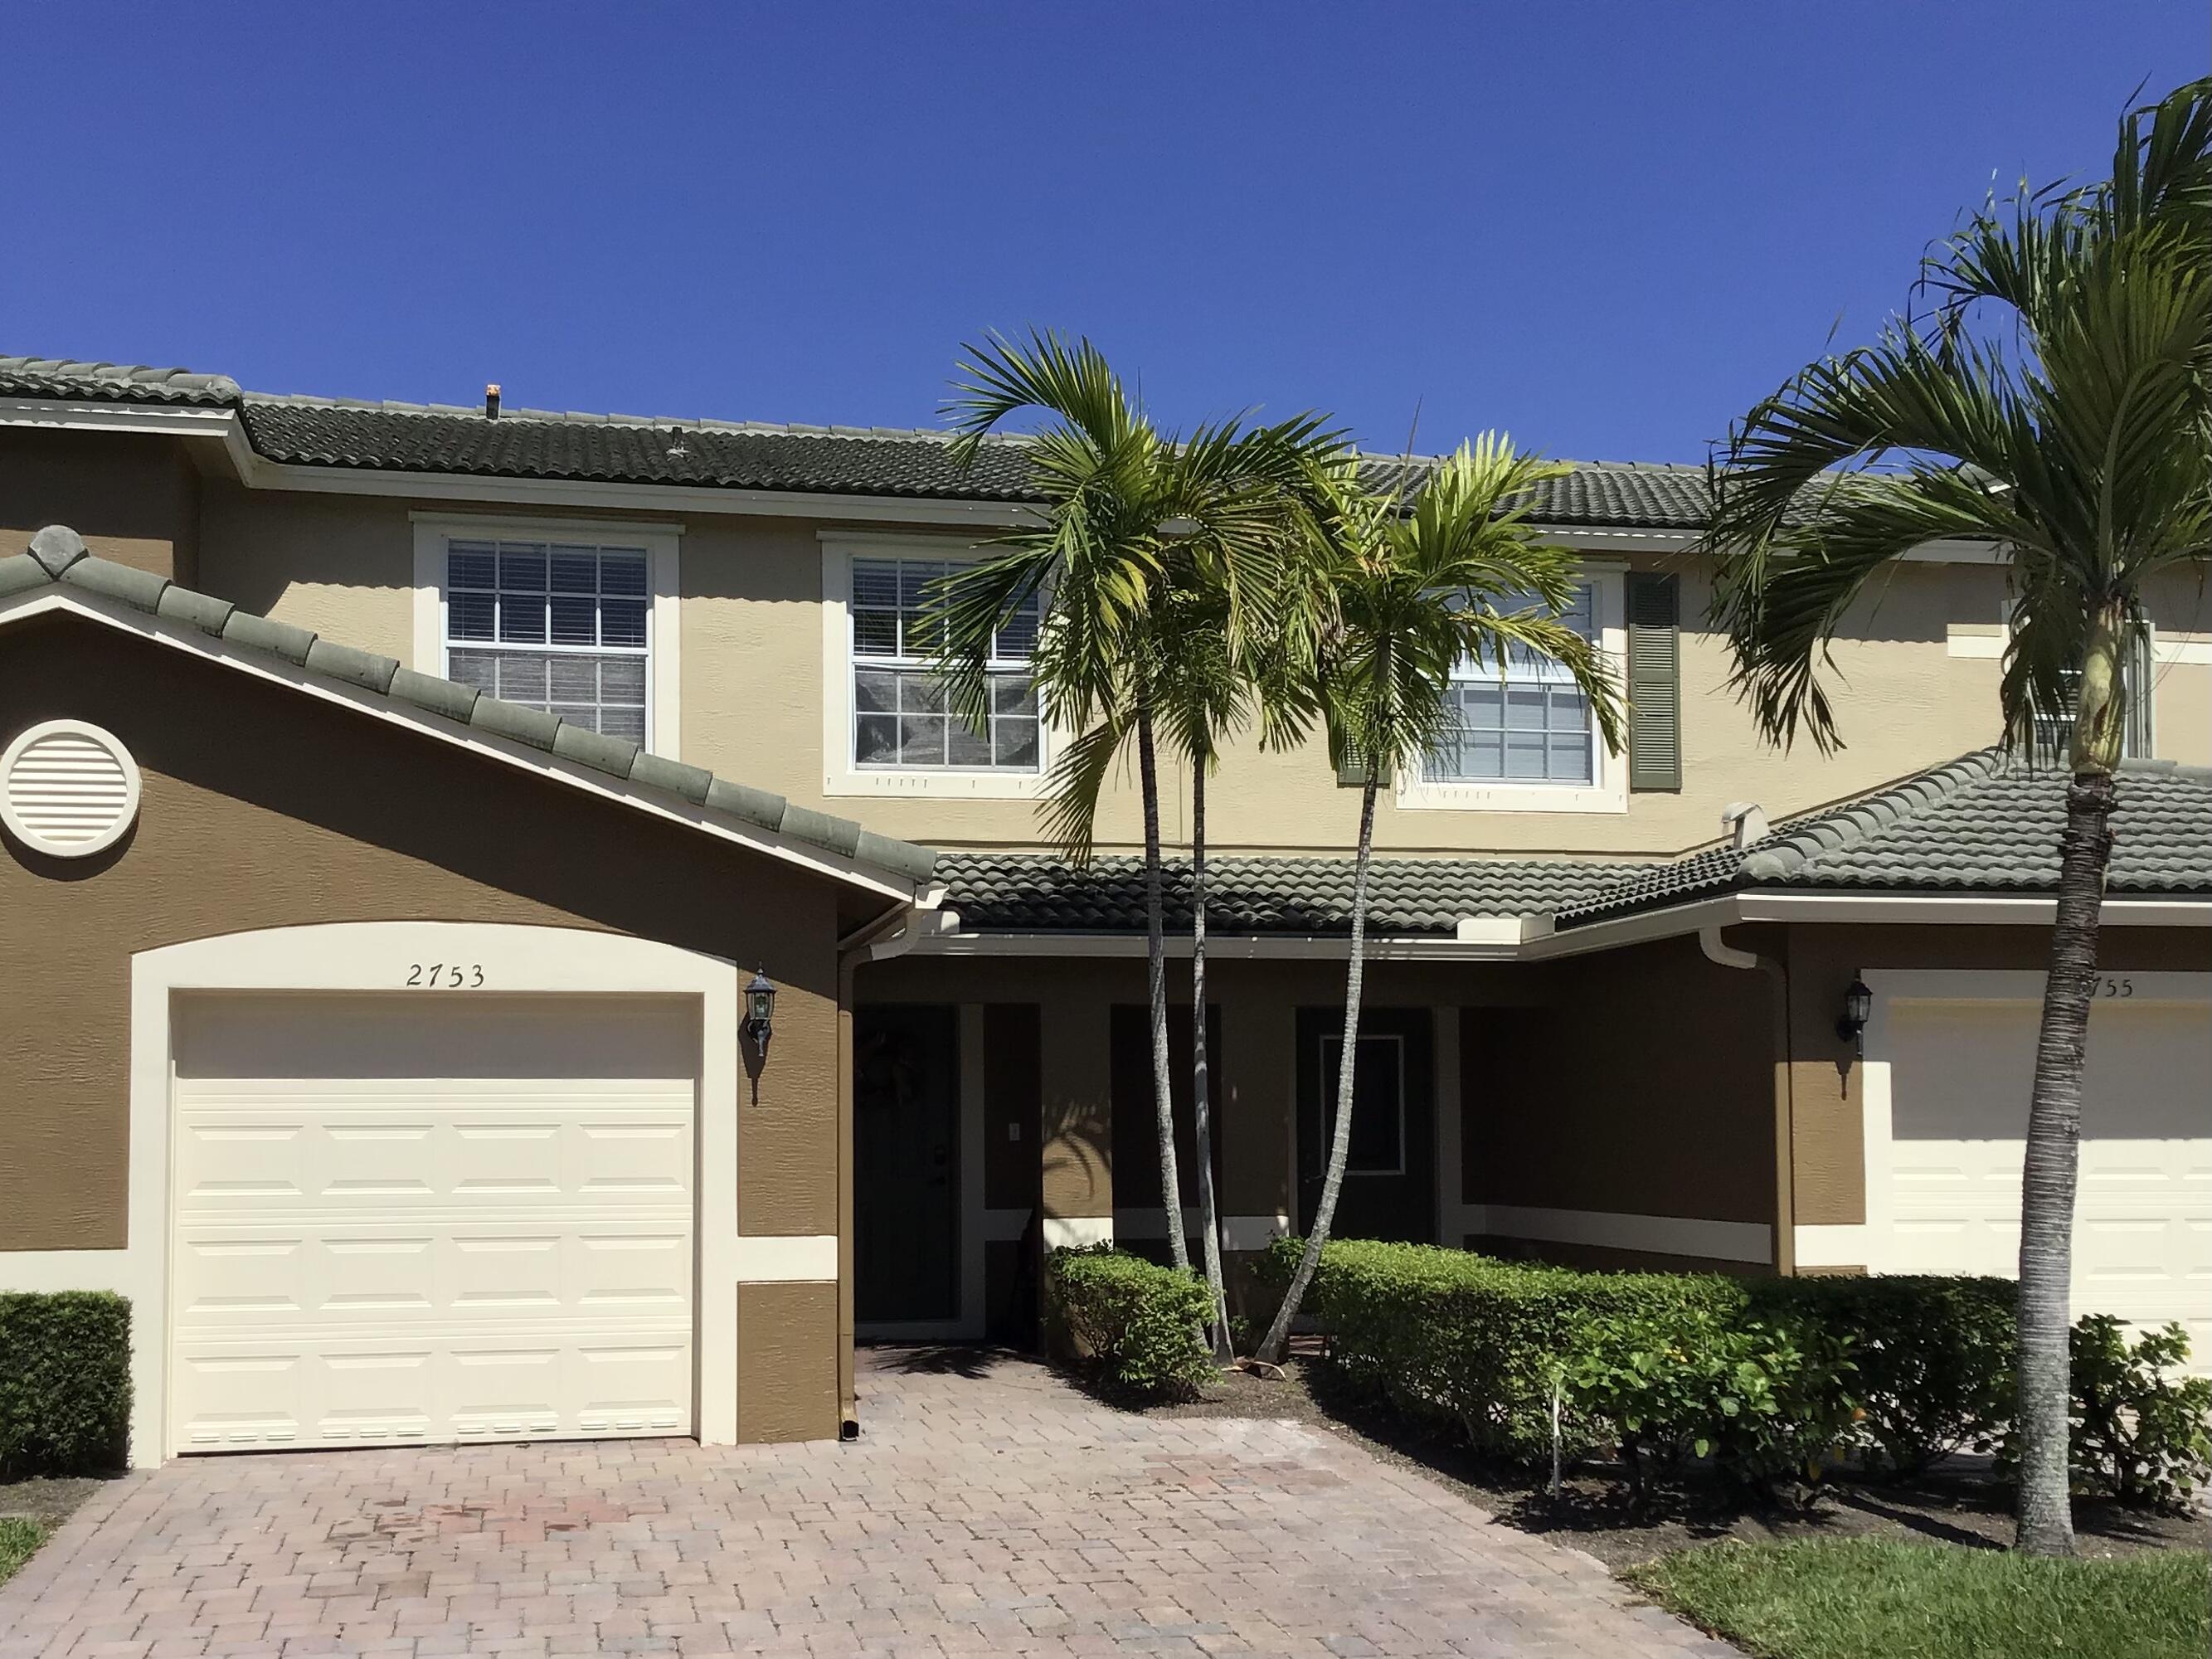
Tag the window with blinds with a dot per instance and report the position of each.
(900, 721)
(559, 626)
(1530, 724)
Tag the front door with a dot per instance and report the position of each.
(906, 1163)
(1389, 1180)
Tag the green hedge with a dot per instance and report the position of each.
(1931, 1356)
(64, 1382)
(1480, 1342)
(1138, 1322)
(1766, 1377)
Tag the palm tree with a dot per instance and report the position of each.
(1128, 515)
(1397, 595)
(2055, 400)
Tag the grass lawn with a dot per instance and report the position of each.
(1874, 1598)
(18, 1536)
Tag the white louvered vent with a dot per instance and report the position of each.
(68, 789)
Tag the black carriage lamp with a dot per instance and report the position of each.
(1859, 1007)
(760, 1010)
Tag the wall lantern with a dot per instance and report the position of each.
(760, 1010)
(1858, 1006)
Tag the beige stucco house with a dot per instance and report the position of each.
(401, 800)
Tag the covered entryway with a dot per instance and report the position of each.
(431, 1215)
(1951, 1060)
(1389, 1176)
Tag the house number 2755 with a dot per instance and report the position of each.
(446, 976)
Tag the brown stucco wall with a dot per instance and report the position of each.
(134, 498)
(261, 808)
(789, 1360)
(1642, 1084)
(1827, 1151)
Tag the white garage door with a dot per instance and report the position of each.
(435, 1217)
(1960, 1077)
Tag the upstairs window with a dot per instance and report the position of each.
(2054, 732)
(559, 626)
(900, 721)
(1530, 725)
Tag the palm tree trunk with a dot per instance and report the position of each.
(1201, 1103)
(2049, 1179)
(1156, 976)
(2053, 1164)
(1339, 1146)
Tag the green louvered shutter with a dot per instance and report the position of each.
(1654, 682)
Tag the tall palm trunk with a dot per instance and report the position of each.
(1201, 1102)
(1339, 1146)
(1156, 978)
(2053, 1165)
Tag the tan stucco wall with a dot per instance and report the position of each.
(263, 808)
(753, 667)
(341, 565)
(1827, 1151)
(134, 499)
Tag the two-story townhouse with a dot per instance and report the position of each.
(401, 801)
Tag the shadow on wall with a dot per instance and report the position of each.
(1077, 1147)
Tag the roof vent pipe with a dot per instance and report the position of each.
(1743, 822)
(491, 400)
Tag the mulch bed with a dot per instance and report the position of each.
(48, 1502)
(1593, 1512)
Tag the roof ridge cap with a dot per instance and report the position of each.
(1851, 824)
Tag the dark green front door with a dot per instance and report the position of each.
(1390, 1181)
(906, 1163)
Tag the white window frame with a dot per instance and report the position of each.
(663, 545)
(1328, 1075)
(840, 777)
(1607, 789)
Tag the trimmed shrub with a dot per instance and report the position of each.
(1139, 1322)
(2142, 1429)
(64, 1382)
(1930, 1355)
(1686, 1382)
(1478, 1342)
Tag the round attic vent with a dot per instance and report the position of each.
(67, 788)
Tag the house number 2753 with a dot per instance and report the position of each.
(446, 976)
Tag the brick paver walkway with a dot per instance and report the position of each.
(993, 1512)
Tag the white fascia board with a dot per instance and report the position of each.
(1964, 910)
(1534, 940)
(820, 862)
(94, 416)
(1326, 947)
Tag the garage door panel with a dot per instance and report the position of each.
(467, 1254)
(1960, 1075)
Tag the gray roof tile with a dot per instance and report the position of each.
(527, 443)
(58, 549)
(1006, 892)
(61, 377)
(1982, 824)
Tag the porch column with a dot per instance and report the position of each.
(1077, 1145)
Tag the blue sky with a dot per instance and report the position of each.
(1606, 227)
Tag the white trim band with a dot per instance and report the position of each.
(785, 1259)
(1078, 1232)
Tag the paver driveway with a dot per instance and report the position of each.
(993, 1512)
